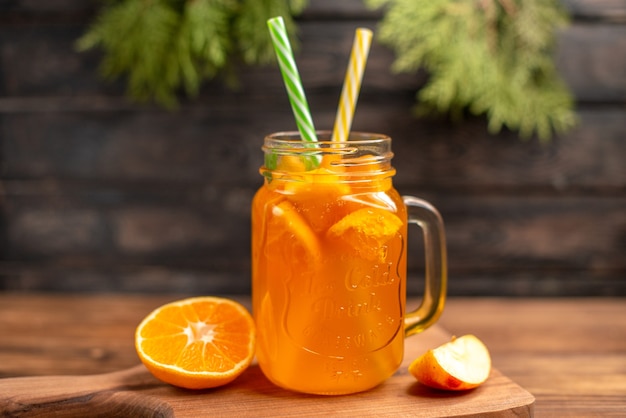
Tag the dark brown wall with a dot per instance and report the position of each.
(100, 194)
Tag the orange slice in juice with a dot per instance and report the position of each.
(366, 230)
(368, 174)
(319, 197)
(291, 163)
(286, 226)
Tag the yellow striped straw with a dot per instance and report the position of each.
(352, 84)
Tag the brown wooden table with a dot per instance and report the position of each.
(569, 353)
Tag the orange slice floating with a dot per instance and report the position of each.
(288, 229)
(366, 230)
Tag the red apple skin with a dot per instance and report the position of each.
(427, 370)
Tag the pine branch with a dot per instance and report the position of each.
(491, 57)
(164, 46)
(250, 27)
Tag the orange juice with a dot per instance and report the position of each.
(329, 265)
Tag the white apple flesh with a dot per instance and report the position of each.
(461, 364)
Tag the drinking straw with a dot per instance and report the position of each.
(352, 84)
(291, 77)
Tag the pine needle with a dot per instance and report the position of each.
(165, 47)
(491, 57)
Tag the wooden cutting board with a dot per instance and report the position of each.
(134, 392)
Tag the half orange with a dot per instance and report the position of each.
(197, 343)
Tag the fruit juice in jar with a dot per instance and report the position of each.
(329, 265)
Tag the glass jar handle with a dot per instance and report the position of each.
(429, 220)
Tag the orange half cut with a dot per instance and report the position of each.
(197, 343)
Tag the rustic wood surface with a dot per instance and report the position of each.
(100, 194)
(134, 392)
(570, 354)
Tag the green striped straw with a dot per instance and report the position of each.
(293, 84)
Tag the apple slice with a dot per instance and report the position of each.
(461, 364)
